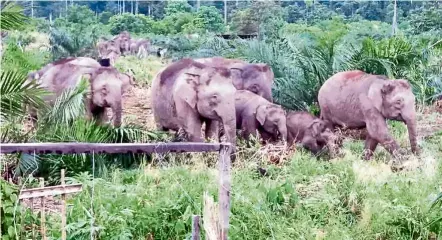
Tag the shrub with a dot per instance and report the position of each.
(135, 23)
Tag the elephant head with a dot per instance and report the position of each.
(256, 78)
(122, 41)
(125, 44)
(273, 119)
(210, 92)
(107, 88)
(316, 136)
(395, 100)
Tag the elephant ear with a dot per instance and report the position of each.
(192, 82)
(316, 127)
(261, 114)
(263, 67)
(387, 87)
(236, 73)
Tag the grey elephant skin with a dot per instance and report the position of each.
(257, 78)
(115, 47)
(310, 131)
(139, 47)
(355, 99)
(187, 93)
(106, 85)
(256, 114)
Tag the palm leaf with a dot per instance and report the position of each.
(12, 17)
(15, 91)
(68, 106)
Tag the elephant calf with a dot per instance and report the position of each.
(356, 99)
(308, 130)
(255, 113)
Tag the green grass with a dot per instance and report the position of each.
(303, 198)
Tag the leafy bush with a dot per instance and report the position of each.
(210, 18)
(104, 17)
(179, 6)
(8, 212)
(136, 23)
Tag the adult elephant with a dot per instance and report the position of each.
(257, 78)
(106, 86)
(122, 41)
(356, 99)
(80, 61)
(187, 93)
(139, 46)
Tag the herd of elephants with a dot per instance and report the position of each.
(227, 95)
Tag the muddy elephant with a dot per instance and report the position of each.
(256, 114)
(102, 47)
(106, 86)
(122, 41)
(187, 94)
(81, 61)
(139, 47)
(257, 78)
(355, 99)
(310, 131)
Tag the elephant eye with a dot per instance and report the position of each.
(254, 89)
(214, 98)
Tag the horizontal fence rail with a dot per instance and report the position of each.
(70, 148)
(50, 191)
(223, 150)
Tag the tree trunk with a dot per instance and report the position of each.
(136, 6)
(225, 12)
(32, 8)
(394, 24)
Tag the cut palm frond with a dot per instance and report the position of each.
(68, 106)
(12, 17)
(15, 92)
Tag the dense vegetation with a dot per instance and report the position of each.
(304, 42)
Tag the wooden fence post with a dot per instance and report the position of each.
(195, 227)
(42, 212)
(224, 190)
(63, 208)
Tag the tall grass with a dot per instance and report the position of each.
(300, 199)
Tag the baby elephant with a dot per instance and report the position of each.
(254, 112)
(308, 130)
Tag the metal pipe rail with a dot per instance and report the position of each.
(81, 147)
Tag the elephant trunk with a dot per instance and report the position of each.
(412, 135)
(117, 109)
(282, 129)
(268, 95)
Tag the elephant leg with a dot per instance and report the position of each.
(191, 124)
(378, 130)
(370, 146)
(249, 127)
(193, 130)
(212, 129)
